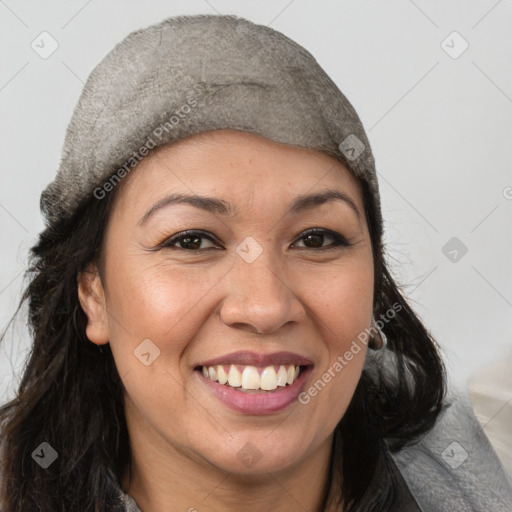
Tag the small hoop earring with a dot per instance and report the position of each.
(379, 339)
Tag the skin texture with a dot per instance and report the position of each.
(195, 306)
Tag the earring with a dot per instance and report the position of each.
(377, 340)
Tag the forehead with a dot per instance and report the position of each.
(237, 165)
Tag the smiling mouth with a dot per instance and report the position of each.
(253, 379)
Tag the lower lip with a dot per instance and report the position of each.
(258, 403)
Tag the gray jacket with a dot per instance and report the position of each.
(453, 468)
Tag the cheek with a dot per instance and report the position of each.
(159, 302)
(341, 306)
(341, 301)
(166, 306)
(349, 315)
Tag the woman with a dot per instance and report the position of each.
(209, 301)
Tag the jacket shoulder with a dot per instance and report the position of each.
(454, 466)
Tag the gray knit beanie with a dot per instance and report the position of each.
(191, 74)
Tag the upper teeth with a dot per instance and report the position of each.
(253, 377)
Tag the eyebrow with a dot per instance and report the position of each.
(219, 206)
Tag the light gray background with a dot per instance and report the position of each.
(440, 129)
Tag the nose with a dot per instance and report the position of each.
(259, 298)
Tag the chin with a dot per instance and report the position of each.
(258, 454)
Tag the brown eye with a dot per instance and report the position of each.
(315, 238)
(187, 240)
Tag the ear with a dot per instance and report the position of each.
(92, 299)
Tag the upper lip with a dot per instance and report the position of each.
(247, 358)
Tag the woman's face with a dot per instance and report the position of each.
(248, 296)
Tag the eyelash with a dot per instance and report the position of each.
(339, 240)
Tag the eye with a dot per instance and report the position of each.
(315, 238)
(190, 240)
